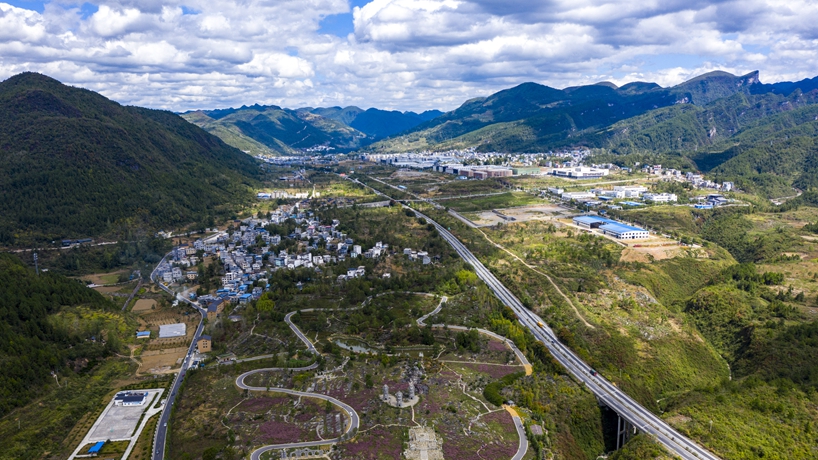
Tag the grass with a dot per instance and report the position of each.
(750, 420)
(670, 219)
(52, 426)
(482, 203)
(674, 280)
(345, 189)
(657, 353)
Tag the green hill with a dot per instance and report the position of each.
(75, 164)
(32, 344)
(271, 130)
(765, 143)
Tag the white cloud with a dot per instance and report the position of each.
(109, 22)
(403, 54)
(17, 24)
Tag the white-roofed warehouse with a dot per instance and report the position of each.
(172, 330)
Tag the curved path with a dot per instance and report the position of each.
(522, 447)
(298, 333)
(352, 416)
(606, 392)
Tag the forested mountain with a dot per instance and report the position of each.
(700, 112)
(765, 142)
(270, 129)
(75, 164)
(376, 123)
(32, 343)
(533, 117)
(274, 130)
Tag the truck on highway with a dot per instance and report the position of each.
(539, 323)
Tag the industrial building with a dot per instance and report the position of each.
(611, 227)
(580, 172)
(660, 197)
(526, 170)
(578, 196)
(168, 331)
(592, 221)
(624, 232)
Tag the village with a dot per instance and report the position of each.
(248, 256)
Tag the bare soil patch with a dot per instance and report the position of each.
(161, 364)
(144, 305)
(408, 174)
(644, 253)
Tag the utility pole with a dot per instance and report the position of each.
(36, 267)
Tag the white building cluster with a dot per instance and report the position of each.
(618, 192)
(697, 180)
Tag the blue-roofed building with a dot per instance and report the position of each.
(632, 203)
(592, 221)
(143, 335)
(624, 232)
(96, 447)
(245, 298)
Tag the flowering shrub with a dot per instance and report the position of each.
(275, 432)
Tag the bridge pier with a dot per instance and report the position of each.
(624, 431)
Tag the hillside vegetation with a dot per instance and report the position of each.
(34, 342)
(272, 130)
(533, 117)
(75, 164)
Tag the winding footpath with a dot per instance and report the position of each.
(606, 392)
(522, 447)
(353, 421)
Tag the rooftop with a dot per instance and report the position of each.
(593, 220)
(621, 228)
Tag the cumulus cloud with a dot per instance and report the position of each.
(402, 54)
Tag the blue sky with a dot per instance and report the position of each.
(393, 54)
(340, 25)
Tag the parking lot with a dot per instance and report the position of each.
(119, 422)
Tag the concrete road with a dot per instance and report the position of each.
(352, 416)
(299, 334)
(607, 393)
(522, 447)
(421, 320)
(160, 438)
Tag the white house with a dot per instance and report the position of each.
(660, 197)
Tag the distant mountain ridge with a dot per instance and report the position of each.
(759, 135)
(272, 130)
(532, 117)
(75, 164)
